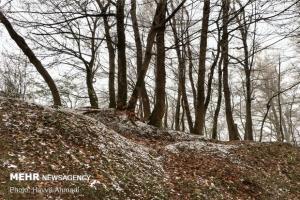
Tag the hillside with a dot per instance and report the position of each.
(131, 160)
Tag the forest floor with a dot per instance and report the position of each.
(132, 160)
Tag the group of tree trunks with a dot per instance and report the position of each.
(156, 35)
(201, 92)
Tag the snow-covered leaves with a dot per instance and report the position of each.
(132, 160)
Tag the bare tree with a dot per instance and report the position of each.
(156, 23)
(121, 45)
(33, 59)
(232, 127)
(200, 109)
(219, 101)
(180, 47)
(160, 78)
(111, 54)
(247, 62)
(139, 60)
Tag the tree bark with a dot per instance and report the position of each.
(279, 101)
(139, 60)
(166, 113)
(232, 127)
(181, 73)
(112, 66)
(218, 107)
(147, 58)
(200, 109)
(212, 70)
(160, 91)
(111, 56)
(91, 90)
(182, 117)
(248, 124)
(33, 59)
(247, 69)
(177, 109)
(191, 69)
(89, 70)
(122, 68)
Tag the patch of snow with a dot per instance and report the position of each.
(199, 146)
(51, 151)
(12, 166)
(40, 130)
(74, 158)
(11, 154)
(87, 166)
(21, 158)
(9, 165)
(117, 187)
(68, 152)
(53, 167)
(94, 183)
(5, 117)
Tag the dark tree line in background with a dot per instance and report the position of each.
(175, 64)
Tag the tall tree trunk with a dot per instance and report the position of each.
(177, 110)
(89, 71)
(276, 121)
(191, 70)
(212, 70)
(112, 66)
(147, 57)
(184, 95)
(181, 72)
(232, 127)
(122, 69)
(285, 129)
(186, 106)
(139, 59)
(111, 56)
(91, 90)
(160, 92)
(247, 69)
(248, 124)
(32, 58)
(189, 55)
(200, 109)
(217, 111)
(279, 100)
(182, 116)
(166, 113)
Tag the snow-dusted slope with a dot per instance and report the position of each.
(130, 160)
(48, 141)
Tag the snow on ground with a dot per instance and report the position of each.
(46, 139)
(120, 122)
(132, 160)
(200, 146)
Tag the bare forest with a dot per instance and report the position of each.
(223, 69)
(151, 99)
